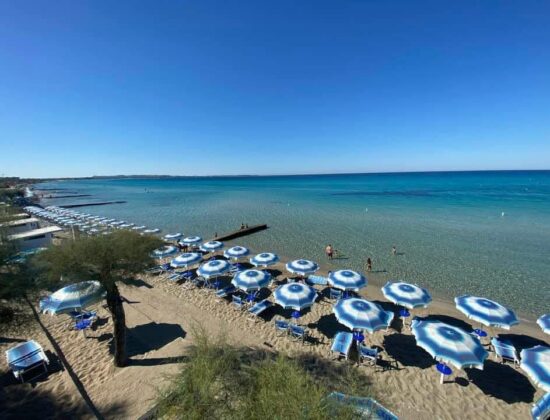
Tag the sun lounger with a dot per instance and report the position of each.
(298, 332)
(226, 291)
(237, 301)
(159, 269)
(281, 326)
(26, 357)
(541, 409)
(341, 345)
(176, 277)
(335, 293)
(317, 280)
(367, 408)
(259, 307)
(85, 315)
(368, 354)
(505, 351)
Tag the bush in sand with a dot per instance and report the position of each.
(218, 380)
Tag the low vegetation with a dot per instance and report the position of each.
(218, 380)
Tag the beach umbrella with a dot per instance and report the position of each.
(302, 267)
(211, 246)
(191, 240)
(486, 311)
(449, 344)
(149, 231)
(536, 362)
(172, 236)
(139, 227)
(213, 268)
(236, 252)
(544, 322)
(248, 280)
(186, 259)
(73, 297)
(405, 294)
(295, 296)
(264, 259)
(360, 314)
(347, 280)
(164, 251)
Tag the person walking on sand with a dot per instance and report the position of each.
(394, 250)
(329, 251)
(369, 264)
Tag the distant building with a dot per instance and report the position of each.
(21, 225)
(36, 238)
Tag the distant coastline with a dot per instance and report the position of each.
(144, 176)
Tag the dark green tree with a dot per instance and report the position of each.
(108, 259)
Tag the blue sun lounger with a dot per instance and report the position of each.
(341, 345)
(317, 280)
(371, 355)
(541, 409)
(281, 326)
(26, 357)
(226, 291)
(260, 307)
(367, 408)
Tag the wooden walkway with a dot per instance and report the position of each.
(103, 203)
(240, 233)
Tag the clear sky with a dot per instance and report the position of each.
(272, 87)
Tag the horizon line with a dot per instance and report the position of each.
(114, 176)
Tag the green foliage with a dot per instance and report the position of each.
(220, 381)
(107, 258)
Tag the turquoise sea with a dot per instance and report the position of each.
(484, 233)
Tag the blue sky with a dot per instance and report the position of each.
(272, 87)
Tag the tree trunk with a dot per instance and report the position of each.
(114, 302)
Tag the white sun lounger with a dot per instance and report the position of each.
(26, 357)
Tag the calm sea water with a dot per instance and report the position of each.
(449, 228)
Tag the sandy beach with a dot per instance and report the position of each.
(162, 314)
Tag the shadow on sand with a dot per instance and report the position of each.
(503, 382)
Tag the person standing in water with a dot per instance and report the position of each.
(394, 250)
(369, 264)
(329, 251)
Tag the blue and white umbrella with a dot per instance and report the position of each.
(149, 231)
(249, 280)
(73, 297)
(360, 314)
(295, 296)
(173, 236)
(213, 268)
(449, 344)
(536, 362)
(211, 246)
(544, 323)
(236, 252)
(486, 311)
(347, 280)
(164, 251)
(191, 240)
(302, 267)
(264, 259)
(186, 259)
(405, 294)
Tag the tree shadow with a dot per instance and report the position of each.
(403, 348)
(503, 382)
(152, 336)
(156, 361)
(138, 283)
